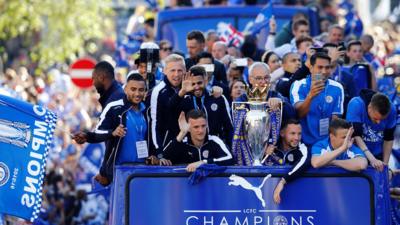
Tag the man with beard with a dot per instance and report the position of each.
(193, 95)
(289, 151)
(110, 92)
(127, 128)
(374, 119)
(126, 118)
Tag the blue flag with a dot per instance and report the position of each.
(90, 162)
(262, 19)
(26, 132)
(204, 171)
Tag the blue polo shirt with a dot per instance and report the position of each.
(323, 146)
(136, 131)
(372, 133)
(327, 103)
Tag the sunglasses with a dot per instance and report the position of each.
(166, 49)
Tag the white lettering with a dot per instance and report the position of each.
(31, 188)
(40, 129)
(245, 221)
(258, 220)
(28, 200)
(191, 217)
(297, 223)
(309, 218)
(40, 111)
(223, 221)
(36, 142)
(36, 155)
(249, 210)
(209, 222)
(33, 164)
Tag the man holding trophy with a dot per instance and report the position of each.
(256, 114)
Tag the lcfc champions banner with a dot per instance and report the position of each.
(244, 196)
(26, 132)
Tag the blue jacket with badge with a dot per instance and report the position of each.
(217, 111)
(213, 151)
(162, 127)
(115, 116)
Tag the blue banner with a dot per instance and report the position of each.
(244, 196)
(26, 132)
(242, 200)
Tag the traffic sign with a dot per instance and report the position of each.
(81, 72)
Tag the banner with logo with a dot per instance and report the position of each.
(26, 132)
(244, 196)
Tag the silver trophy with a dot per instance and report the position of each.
(14, 133)
(257, 126)
(256, 123)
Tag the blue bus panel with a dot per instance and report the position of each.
(243, 195)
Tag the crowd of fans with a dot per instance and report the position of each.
(370, 61)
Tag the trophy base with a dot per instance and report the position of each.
(257, 163)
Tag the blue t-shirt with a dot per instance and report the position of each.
(327, 103)
(372, 133)
(323, 146)
(136, 131)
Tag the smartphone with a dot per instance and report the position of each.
(208, 67)
(241, 62)
(342, 46)
(317, 77)
(317, 49)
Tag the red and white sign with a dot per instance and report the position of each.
(81, 72)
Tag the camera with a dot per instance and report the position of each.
(149, 54)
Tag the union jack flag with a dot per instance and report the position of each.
(228, 34)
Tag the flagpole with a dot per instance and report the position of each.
(65, 131)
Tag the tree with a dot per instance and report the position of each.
(54, 30)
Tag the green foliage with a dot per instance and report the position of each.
(55, 30)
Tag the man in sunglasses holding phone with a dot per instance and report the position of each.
(317, 99)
